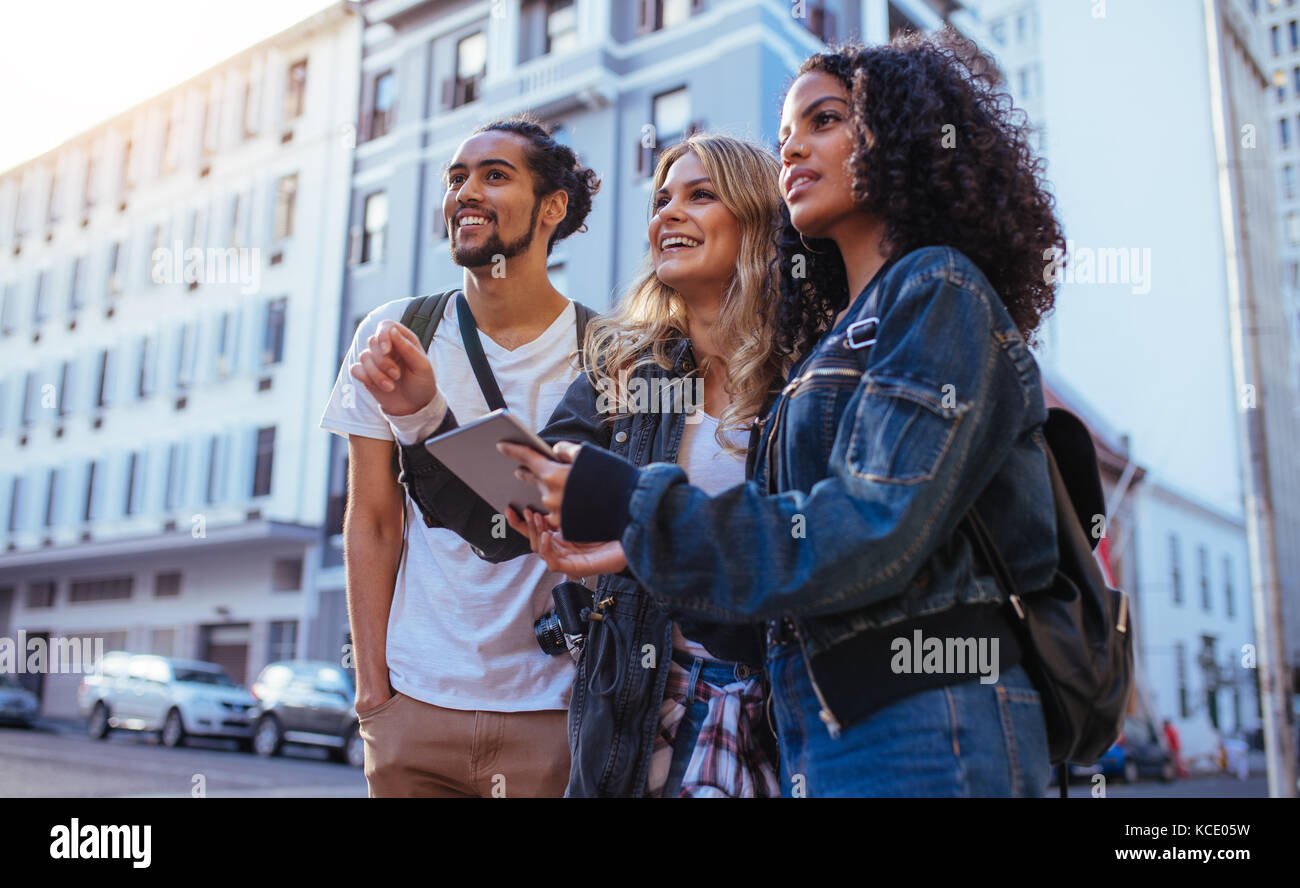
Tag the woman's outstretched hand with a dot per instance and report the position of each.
(562, 556)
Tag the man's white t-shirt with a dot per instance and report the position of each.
(460, 632)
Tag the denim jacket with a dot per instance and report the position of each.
(623, 668)
(867, 462)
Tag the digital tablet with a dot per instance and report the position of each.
(470, 451)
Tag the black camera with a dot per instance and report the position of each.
(571, 599)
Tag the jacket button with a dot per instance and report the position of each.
(621, 437)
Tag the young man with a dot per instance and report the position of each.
(454, 695)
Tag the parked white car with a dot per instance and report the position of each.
(176, 698)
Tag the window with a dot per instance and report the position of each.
(284, 640)
(1022, 27)
(263, 461)
(61, 396)
(1180, 674)
(145, 386)
(1288, 181)
(88, 183)
(225, 348)
(170, 148)
(29, 399)
(250, 108)
(1229, 600)
(820, 21)
(76, 296)
(15, 503)
(205, 129)
(167, 584)
(175, 476)
(40, 311)
(51, 498)
(7, 310)
(273, 341)
(376, 223)
(1295, 78)
(159, 243)
(471, 64)
(286, 192)
(561, 26)
(134, 475)
(107, 589)
(185, 356)
(1293, 34)
(214, 466)
(237, 234)
(998, 31)
(40, 594)
(383, 104)
(671, 116)
(114, 270)
(1293, 228)
(653, 15)
(52, 203)
(102, 383)
(1203, 567)
(296, 90)
(1284, 132)
(89, 509)
(127, 175)
(1175, 574)
(286, 575)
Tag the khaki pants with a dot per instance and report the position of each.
(415, 749)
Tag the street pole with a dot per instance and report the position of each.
(1261, 535)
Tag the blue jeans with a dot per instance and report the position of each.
(962, 740)
(716, 672)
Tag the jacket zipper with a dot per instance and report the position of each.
(828, 718)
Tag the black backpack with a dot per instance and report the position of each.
(1077, 648)
(423, 313)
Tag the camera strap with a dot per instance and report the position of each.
(487, 383)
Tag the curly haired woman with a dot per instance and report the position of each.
(911, 278)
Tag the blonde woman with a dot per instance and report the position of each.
(678, 371)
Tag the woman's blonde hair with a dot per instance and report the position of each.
(637, 331)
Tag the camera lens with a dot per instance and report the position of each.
(550, 635)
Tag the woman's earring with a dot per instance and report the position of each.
(808, 248)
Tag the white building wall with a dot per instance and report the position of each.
(223, 539)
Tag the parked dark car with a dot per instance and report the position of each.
(1138, 753)
(307, 702)
(18, 706)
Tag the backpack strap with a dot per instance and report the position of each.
(423, 313)
(421, 316)
(583, 314)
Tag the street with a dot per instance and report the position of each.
(59, 759)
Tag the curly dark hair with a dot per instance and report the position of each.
(555, 167)
(980, 191)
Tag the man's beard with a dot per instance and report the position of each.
(487, 253)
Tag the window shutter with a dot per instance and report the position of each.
(645, 16)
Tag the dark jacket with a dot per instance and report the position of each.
(868, 462)
(623, 669)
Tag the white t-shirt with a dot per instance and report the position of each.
(460, 632)
(713, 471)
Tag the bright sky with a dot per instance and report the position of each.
(66, 65)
